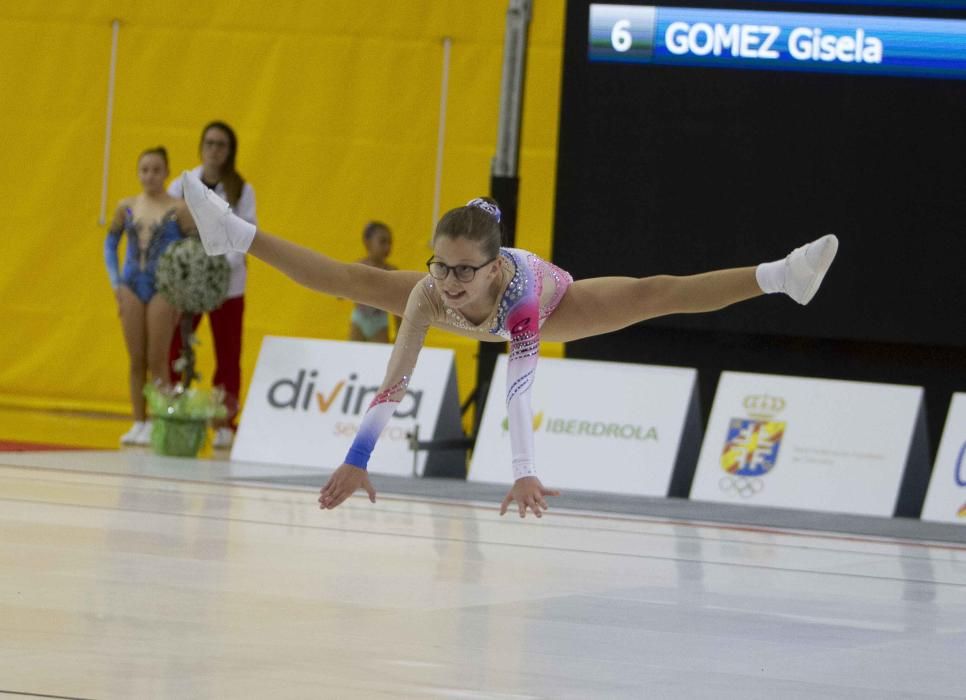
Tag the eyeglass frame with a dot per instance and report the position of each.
(452, 268)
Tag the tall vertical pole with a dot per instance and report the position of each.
(504, 174)
(441, 132)
(115, 30)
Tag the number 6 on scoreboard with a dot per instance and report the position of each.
(620, 35)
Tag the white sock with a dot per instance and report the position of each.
(771, 276)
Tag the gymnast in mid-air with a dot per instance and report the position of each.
(478, 289)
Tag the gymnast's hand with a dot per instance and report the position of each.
(528, 492)
(344, 482)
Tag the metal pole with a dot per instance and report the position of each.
(505, 162)
(504, 174)
(115, 30)
(441, 135)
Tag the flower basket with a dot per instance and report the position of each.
(178, 437)
(181, 417)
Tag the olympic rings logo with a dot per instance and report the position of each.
(960, 472)
(741, 486)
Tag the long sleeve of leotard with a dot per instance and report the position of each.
(405, 352)
(111, 243)
(524, 325)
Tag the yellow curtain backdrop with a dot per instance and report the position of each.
(336, 105)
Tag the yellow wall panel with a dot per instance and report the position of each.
(336, 105)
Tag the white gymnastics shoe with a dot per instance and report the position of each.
(139, 434)
(801, 272)
(806, 267)
(145, 437)
(220, 230)
(132, 436)
(224, 437)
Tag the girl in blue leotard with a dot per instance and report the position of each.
(152, 220)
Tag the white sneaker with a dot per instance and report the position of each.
(220, 230)
(224, 437)
(805, 267)
(144, 438)
(132, 436)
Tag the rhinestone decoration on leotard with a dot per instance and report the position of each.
(387, 395)
(524, 345)
(514, 292)
(561, 280)
(519, 386)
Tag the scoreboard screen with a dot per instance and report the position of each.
(801, 41)
(701, 135)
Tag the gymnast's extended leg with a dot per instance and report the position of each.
(605, 304)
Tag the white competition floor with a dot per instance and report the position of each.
(125, 575)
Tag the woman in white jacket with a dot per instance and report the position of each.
(218, 149)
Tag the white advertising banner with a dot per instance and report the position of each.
(598, 426)
(946, 498)
(307, 399)
(814, 444)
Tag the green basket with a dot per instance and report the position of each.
(178, 437)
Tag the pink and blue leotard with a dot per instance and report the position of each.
(532, 289)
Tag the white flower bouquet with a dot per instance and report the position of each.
(194, 283)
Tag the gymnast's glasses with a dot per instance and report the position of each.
(464, 273)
